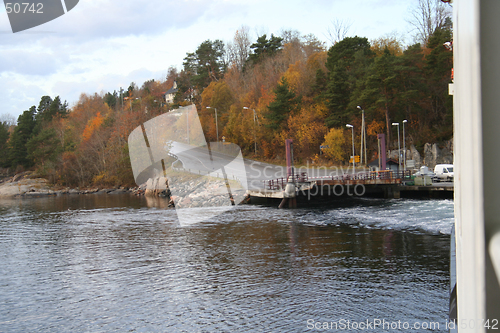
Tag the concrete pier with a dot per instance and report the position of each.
(324, 190)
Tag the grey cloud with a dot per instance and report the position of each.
(93, 20)
(29, 62)
(71, 90)
(115, 19)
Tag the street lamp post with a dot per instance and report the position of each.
(404, 145)
(216, 122)
(399, 147)
(254, 128)
(363, 135)
(353, 158)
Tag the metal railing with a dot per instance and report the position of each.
(280, 183)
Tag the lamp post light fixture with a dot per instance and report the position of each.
(363, 135)
(254, 128)
(404, 145)
(353, 152)
(216, 122)
(399, 147)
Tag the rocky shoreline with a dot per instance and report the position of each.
(26, 185)
(186, 193)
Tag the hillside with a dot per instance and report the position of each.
(262, 92)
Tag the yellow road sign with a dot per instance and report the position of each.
(356, 159)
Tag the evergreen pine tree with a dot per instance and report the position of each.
(284, 104)
(265, 48)
(347, 61)
(43, 147)
(382, 88)
(22, 133)
(4, 149)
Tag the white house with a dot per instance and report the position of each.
(170, 94)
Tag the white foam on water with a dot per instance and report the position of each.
(433, 216)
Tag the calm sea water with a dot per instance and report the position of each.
(104, 263)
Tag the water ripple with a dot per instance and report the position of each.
(81, 265)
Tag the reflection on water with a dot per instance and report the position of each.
(110, 263)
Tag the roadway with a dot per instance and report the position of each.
(202, 160)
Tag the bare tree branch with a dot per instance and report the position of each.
(8, 119)
(239, 49)
(338, 31)
(427, 16)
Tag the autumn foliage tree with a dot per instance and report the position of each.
(334, 142)
(294, 86)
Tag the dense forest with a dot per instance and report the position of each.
(296, 87)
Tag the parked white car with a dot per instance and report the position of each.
(444, 172)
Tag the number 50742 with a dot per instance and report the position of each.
(17, 8)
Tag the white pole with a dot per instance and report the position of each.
(216, 122)
(363, 136)
(362, 133)
(255, 131)
(404, 145)
(353, 151)
(399, 147)
(216, 125)
(187, 124)
(399, 150)
(254, 128)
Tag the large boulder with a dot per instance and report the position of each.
(157, 187)
(434, 155)
(20, 187)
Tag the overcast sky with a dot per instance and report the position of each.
(102, 45)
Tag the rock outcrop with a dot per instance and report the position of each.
(158, 188)
(195, 192)
(31, 187)
(432, 155)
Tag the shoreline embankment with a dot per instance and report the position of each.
(186, 192)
